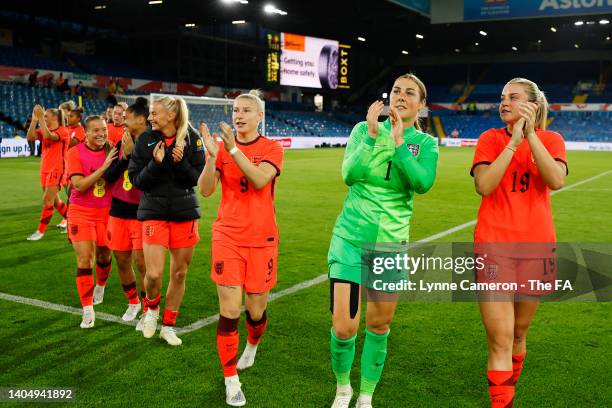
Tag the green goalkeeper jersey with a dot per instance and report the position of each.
(382, 180)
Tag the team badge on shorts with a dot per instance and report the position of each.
(414, 149)
(149, 230)
(219, 267)
(74, 229)
(491, 271)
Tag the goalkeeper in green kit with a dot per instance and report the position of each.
(384, 165)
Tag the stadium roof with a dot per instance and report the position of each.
(387, 27)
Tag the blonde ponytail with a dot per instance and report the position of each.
(181, 119)
(535, 95)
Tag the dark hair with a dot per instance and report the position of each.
(140, 107)
(78, 111)
(91, 118)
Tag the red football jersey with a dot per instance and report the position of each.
(246, 215)
(53, 150)
(518, 210)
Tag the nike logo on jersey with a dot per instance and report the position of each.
(151, 144)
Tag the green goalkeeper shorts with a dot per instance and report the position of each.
(350, 262)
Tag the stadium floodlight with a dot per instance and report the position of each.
(362, 39)
(420, 36)
(514, 48)
(604, 21)
(100, 7)
(238, 22)
(608, 38)
(590, 22)
(457, 50)
(476, 44)
(539, 41)
(483, 33)
(235, 1)
(153, 2)
(553, 29)
(271, 9)
(384, 95)
(576, 46)
(579, 23)
(191, 25)
(404, 52)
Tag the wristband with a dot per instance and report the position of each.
(233, 150)
(511, 149)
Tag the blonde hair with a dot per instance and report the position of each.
(422, 92)
(123, 105)
(67, 107)
(535, 95)
(181, 120)
(59, 114)
(255, 96)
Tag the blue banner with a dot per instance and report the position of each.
(506, 9)
(420, 6)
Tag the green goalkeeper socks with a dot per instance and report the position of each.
(372, 360)
(342, 355)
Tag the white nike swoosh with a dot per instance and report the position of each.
(151, 144)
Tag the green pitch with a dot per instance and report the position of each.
(437, 352)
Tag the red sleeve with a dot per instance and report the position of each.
(39, 133)
(274, 156)
(80, 134)
(73, 163)
(486, 150)
(64, 133)
(556, 147)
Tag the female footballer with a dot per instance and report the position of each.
(124, 229)
(54, 138)
(90, 200)
(245, 234)
(384, 165)
(514, 169)
(165, 165)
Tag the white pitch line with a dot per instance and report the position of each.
(273, 296)
(62, 308)
(198, 324)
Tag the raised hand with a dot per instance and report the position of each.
(112, 155)
(177, 153)
(397, 127)
(159, 152)
(517, 133)
(227, 134)
(38, 112)
(127, 143)
(528, 111)
(210, 142)
(374, 112)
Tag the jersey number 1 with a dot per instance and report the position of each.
(387, 177)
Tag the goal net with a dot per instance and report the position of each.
(201, 109)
